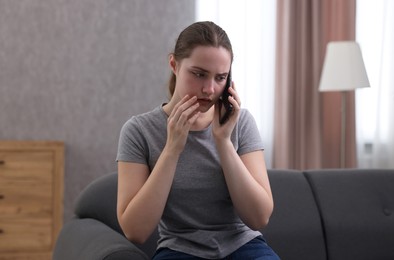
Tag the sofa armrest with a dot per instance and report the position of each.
(90, 239)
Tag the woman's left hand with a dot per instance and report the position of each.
(223, 131)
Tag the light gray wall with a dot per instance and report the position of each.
(76, 70)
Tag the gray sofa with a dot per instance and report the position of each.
(324, 214)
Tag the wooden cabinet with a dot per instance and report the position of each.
(31, 198)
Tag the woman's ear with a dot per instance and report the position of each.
(173, 64)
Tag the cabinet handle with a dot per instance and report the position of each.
(1, 196)
(2, 162)
(1, 231)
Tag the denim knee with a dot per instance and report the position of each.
(256, 249)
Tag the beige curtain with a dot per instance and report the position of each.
(307, 123)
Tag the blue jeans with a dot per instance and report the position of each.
(256, 249)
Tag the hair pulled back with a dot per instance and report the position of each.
(198, 34)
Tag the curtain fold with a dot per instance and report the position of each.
(374, 106)
(307, 123)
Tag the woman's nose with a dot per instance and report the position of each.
(209, 87)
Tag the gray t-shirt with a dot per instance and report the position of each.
(199, 217)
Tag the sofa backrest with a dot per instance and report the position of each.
(98, 201)
(357, 209)
(294, 230)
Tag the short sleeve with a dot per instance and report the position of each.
(132, 145)
(249, 139)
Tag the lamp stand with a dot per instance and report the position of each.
(343, 129)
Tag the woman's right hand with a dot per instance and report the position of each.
(182, 117)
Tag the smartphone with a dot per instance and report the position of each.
(228, 108)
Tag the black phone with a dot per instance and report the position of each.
(228, 108)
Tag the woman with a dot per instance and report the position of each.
(203, 183)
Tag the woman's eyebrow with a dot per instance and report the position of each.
(199, 68)
(206, 71)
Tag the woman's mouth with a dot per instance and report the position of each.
(204, 101)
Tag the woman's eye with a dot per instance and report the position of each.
(221, 78)
(198, 74)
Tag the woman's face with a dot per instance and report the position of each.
(203, 75)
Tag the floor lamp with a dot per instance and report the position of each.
(343, 70)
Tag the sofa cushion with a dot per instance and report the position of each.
(357, 208)
(294, 230)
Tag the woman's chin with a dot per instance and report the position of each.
(205, 106)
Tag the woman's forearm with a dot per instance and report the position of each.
(248, 184)
(144, 210)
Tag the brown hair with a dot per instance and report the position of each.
(198, 34)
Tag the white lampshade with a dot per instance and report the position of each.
(343, 67)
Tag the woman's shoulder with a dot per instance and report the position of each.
(245, 112)
(245, 116)
(248, 134)
(157, 115)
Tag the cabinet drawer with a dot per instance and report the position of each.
(26, 184)
(30, 165)
(24, 234)
(25, 198)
